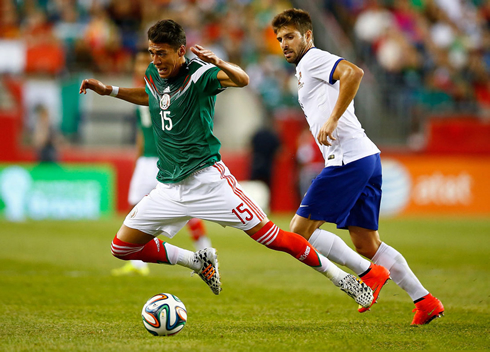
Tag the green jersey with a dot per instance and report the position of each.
(144, 124)
(182, 110)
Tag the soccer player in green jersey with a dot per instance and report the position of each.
(144, 175)
(193, 181)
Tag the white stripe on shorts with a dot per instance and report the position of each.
(233, 184)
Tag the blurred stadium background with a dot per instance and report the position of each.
(425, 99)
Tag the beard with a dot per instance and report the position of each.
(302, 49)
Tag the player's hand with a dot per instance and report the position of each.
(205, 54)
(95, 85)
(325, 136)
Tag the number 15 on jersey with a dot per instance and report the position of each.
(166, 120)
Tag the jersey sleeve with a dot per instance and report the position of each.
(210, 82)
(322, 66)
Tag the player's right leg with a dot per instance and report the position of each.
(325, 203)
(133, 244)
(142, 183)
(156, 214)
(329, 244)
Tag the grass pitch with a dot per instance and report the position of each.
(56, 293)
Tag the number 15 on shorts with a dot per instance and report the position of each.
(242, 213)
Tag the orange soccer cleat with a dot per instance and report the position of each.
(376, 277)
(427, 309)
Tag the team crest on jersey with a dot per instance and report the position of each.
(165, 102)
(300, 84)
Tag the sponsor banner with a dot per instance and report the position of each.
(418, 185)
(52, 191)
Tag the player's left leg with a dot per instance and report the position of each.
(217, 189)
(368, 243)
(268, 234)
(362, 223)
(329, 244)
(336, 250)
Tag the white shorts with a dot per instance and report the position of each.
(211, 194)
(144, 178)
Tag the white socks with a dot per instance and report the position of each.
(180, 256)
(335, 274)
(329, 269)
(400, 272)
(335, 249)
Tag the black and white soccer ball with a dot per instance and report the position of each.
(164, 314)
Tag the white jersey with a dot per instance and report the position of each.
(317, 94)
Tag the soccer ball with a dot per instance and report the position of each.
(164, 314)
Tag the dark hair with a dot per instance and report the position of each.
(167, 32)
(300, 19)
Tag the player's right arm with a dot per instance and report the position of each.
(133, 95)
(349, 77)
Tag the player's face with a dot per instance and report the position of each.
(166, 59)
(293, 43)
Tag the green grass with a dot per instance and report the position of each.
(56, 293)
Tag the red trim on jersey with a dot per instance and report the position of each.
(150, 86)
(153, 84)
(233, 184)
(186, 82)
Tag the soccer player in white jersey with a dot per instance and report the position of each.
(193, 181)
(348, 190)
(145, 172)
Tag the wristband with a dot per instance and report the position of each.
(114, 92)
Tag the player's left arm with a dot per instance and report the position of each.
(230, 75)
(349, 77)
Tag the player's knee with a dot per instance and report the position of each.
(366, 241)
(367, 249)
(292, 224)
(122, 250)
(301, 228)
(115, 252)
(295, 226)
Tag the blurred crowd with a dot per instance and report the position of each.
(436, 51)
(102, 35)
(435, 54)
